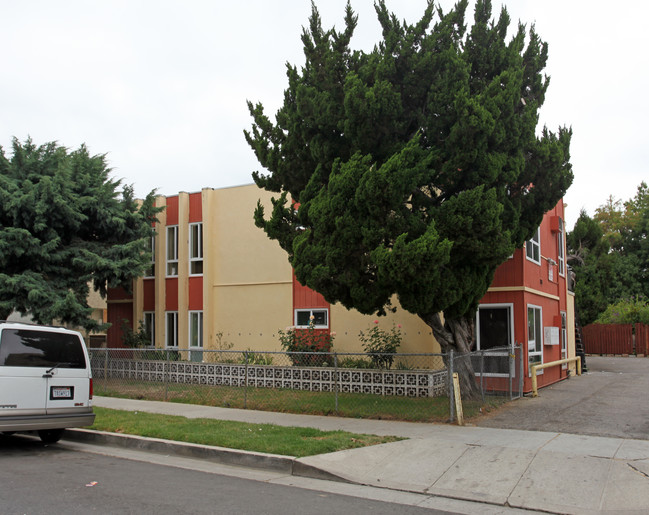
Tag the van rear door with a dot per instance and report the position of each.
(45, 372)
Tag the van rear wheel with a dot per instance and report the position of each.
(50, 435)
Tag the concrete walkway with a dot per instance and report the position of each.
(544, 471)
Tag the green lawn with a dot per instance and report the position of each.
(268, 438)
(414, 409)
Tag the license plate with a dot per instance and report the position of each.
(61, 392)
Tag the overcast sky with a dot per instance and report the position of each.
(161, 86)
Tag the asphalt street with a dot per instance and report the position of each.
(40, 479)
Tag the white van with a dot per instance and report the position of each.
(45, 380)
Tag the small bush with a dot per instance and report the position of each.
(381, 345)
(308, 347)
(354, 363)
(254, 358)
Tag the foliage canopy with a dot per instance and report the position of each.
(415, 168)
(64, 225)
(610, 254)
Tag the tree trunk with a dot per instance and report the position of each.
(457, 334)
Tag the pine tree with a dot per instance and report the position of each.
(63, 226)
(414, 169)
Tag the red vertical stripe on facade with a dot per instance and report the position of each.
(195, 207)
(172, 210)
(196, 294)
(171, 294)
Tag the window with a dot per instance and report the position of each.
(196, 249)
(534, 335)
(30, 348)
(320, 318)
(149, 326)
(195, 335)
(172, 251)
(564, 336)
(494, 330)
(171, 329)
(561, 245)
(533, 247)
(150, 272)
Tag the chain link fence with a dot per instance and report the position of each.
(399, 386)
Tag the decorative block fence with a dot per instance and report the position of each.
(404, 383)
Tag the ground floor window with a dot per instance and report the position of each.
(534, 335)
(149, 327)
(318, 317)
(196, 335)
(495, 331)
(171, 328)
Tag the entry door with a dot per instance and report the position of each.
(495, 335)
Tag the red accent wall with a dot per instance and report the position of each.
(172, 210)
(116, 314)
(171, 294)
(148, 300)
(195, 207)
(196, 293)
(118, 294)
(304, 297)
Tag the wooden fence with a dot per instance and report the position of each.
(616, 339)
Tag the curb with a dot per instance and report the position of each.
(235, 457)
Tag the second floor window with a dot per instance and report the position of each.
(561, 243)
(172, 251)
(150, 272)
(196, 249)
(533, 247)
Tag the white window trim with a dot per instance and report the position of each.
(561, 254)
(540, 335)
(175, 332)
(200, 330)
(534, 243)
(193, 259)
(564, 338)
(509, 306)
(152, 327)
(172, 259)
(310, 310)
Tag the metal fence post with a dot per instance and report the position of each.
(106, 371)
(245, 386)
(166, 374)
(520, 373)
(335, 383)
(451, 390)
(482, 374)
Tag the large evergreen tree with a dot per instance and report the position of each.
(414, 169)
(64, 225)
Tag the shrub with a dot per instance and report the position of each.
(303, 343)
(354, 363)
(254, 358)
(626, 311)
(381, 345)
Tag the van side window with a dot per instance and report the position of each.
(27, 348)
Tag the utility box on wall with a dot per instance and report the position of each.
(551, 336)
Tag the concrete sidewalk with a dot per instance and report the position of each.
(545, 471)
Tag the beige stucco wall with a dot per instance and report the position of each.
(248, 294)
(417, 336)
